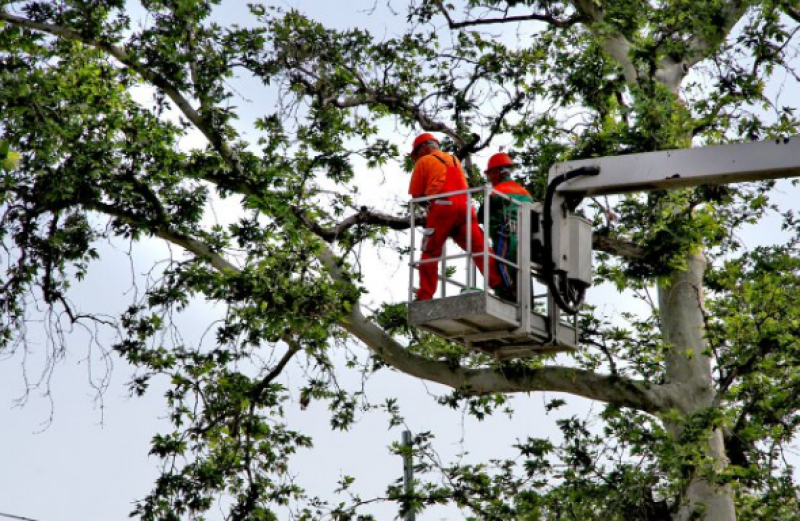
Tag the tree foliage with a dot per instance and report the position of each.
(698, 395)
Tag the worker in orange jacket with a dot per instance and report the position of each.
(437, 172)
(503, 219)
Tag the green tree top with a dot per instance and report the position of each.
(698, 397)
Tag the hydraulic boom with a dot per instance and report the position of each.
(566, 254)
(722, 164)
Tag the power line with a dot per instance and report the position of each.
(19, 518)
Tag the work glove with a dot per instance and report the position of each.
(420, 214)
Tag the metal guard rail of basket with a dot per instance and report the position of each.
(487, 192)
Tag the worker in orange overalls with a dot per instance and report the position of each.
(437, 172)
(503, 220)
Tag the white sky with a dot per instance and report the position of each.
(79, 469)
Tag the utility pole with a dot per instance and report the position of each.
(408, 473)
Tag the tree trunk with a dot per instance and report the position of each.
(688, 371)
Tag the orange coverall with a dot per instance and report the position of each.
(436, 173)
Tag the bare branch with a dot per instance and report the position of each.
(509, 19)
(364, 216)
(294, 348)
(496, 126)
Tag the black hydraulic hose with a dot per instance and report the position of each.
(547, 223)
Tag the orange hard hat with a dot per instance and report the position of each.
(423, 138)
(499, 160)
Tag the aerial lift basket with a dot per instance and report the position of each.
(466, 311)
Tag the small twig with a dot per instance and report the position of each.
(509, 19)
(294, 347)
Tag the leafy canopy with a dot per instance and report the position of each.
(87, 158)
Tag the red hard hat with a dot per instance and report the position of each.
(422, 138)
(498, 160)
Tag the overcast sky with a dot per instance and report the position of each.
(89, 464)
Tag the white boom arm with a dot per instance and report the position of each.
(755, 161)
(564, 237)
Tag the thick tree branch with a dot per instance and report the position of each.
(198, 248)
(619, 391)
(616, 45)
(149, 196)
(700, 48)
(609, 389)
(671, 69)
(605, 388)
(617, 247)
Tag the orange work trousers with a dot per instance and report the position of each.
(448, 218)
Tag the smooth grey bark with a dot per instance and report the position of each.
(688, 364)
(688, 372)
